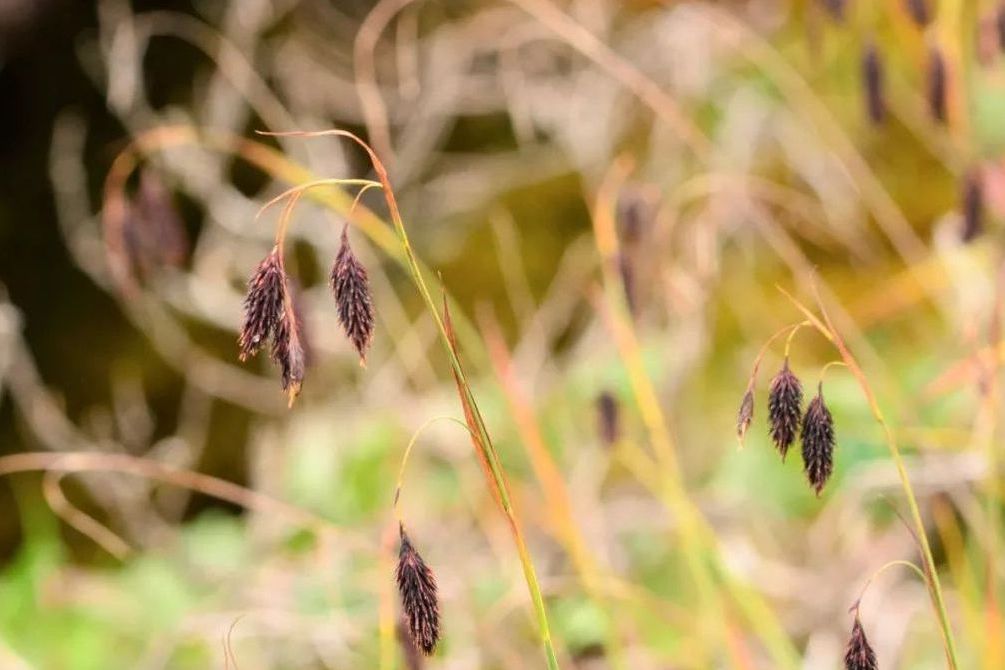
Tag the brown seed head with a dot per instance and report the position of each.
(973, 205)
(785, 407)
(417, 587)
(263, 304)
(745, 415)
(351, 286)
(607, 418)
(872, 77)
(937, 82)
(818, 442)
(859, 655)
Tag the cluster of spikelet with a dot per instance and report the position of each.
(270, 311)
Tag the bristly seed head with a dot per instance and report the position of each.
(937, 83)
(745, 415)
(973, 205)
(351, 286)
(818, 442)
(263, 304)
(872, 75)
(417, 587)
(859, 655)
(785, 408)
(607, 418)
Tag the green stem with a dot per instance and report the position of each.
(827, 329)
(484, 442)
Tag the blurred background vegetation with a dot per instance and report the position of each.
(727, 143)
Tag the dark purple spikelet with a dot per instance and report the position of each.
(417, 587)
(1000, 25)
(972, 205)
(166, 240)
(835, 8)
(288, 351)
(351, 286)
(937, 83)
(818, 442)
(872, 79)
(608, 422)
(634, 216)
(859, 655)
(745, 415)
(263, 304)
(918, 11)
(785, 408)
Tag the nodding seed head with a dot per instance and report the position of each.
(417, 587)
(607, 418)
(263, 304)
(785, 408)
(351, 285)
(818, 442)
(859, 655)
(973, 205)
(745, 415)
(937, 83)
(872, 77)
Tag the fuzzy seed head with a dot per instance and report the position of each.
(745, 415)
(973, 206)
(818, 442)
(859, 655)
(417, 587)
(937, 82)
(351, 287)
(263, 304)
(872, 77)
(608, 423)
(785, 407)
